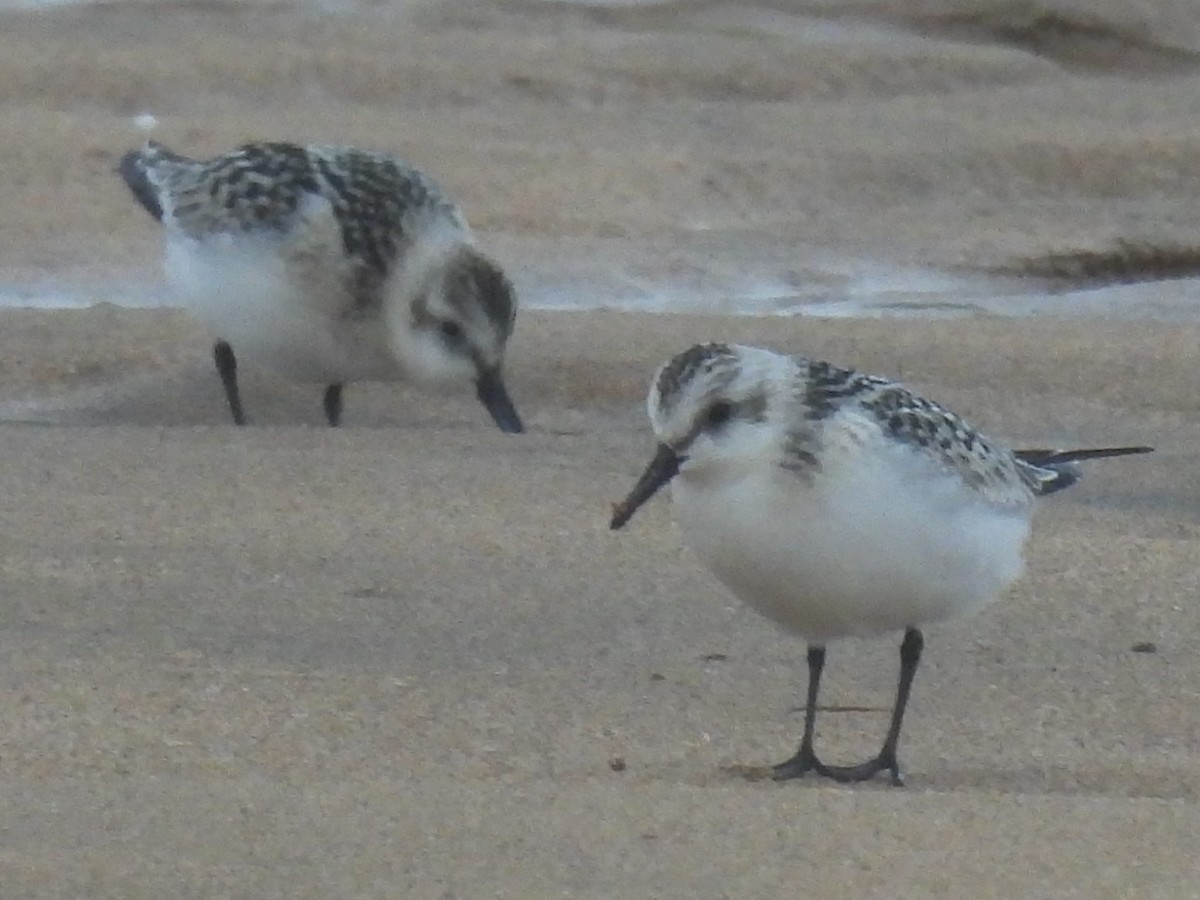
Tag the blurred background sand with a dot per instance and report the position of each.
(618, 152)
(406, 658)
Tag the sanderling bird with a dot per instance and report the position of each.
(839, 504)
(329, 265)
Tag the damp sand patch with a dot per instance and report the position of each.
(1125, 262)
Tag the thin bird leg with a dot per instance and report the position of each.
(805, 759)
(333, 404)
(227, 369)
(910, 657)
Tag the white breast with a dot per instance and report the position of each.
(281, 300)
(877, 540)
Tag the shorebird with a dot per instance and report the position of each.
(329, 265)
(839, 504)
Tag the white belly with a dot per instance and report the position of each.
(884, 542)
(286, 317)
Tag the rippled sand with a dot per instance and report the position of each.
(703, 145)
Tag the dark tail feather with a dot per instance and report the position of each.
(1056, 457)
(134, 168)
(1064, 463)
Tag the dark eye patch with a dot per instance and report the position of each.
(451, 331)
(718, 414)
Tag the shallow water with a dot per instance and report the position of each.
(832, 288)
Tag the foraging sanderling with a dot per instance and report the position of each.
(329, 265)
(839, 504)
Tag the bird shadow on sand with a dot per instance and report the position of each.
(1133, 781)
(192, 397)
(1154, 780)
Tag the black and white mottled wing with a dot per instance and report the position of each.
(375, 198)
(834, 399)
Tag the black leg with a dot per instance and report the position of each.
(333, 404)
(886, 761)
(227, 369)
(805, 759)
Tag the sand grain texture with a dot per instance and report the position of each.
(400, 658)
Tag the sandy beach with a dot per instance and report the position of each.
(407, 658)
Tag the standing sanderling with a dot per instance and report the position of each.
(329, 265)
(840, 504)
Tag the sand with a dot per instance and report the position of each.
(406, 658)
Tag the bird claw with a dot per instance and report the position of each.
(865, 771)
(798, 766)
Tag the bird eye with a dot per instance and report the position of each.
(451, 331)
(718, 414)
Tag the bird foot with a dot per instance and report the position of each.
(798, 766)
(884, 762)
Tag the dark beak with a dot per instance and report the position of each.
(662, 469)
(489, 388)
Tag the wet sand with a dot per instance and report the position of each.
(701, 144)
(406, 658)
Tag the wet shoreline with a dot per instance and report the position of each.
(831, 288)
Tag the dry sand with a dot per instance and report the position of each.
(406, 658)
(399, 659)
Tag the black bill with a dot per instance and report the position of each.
(490, 389)
(662, 469)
